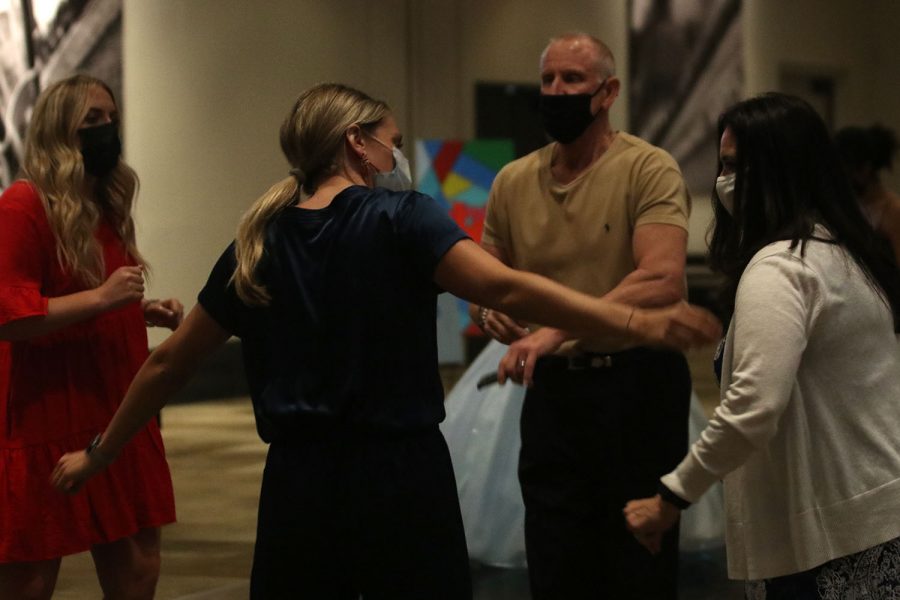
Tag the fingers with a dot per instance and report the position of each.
(517, 367)
(164, 313)
(640, 521)
(696, 324)
(681, 326)
(502, 328)
(177, 309)
(508, 368)
(527, 364)
(60, 480)
(131, 280)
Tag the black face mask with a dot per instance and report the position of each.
(100, 148)
(566, 116)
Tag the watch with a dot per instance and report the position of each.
(96, 454)
(94, 443)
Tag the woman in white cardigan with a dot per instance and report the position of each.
(807, 434)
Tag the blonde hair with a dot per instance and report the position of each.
(312, 140)
(53, 163)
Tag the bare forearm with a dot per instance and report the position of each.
(647, 289)
(152, 387)
(533, 298)
(61, 312)
(169, 367)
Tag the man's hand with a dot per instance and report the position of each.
(648, 519)
(518, 364)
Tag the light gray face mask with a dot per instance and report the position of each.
(725, 192)
(397, 179)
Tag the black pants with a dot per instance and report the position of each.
(593, 439)
(343, 514)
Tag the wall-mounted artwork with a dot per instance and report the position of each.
(459, 175)
(686, 67)
(42, 41)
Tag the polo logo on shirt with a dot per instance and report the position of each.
(606, 227)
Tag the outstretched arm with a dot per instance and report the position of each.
(658, 280)
(494, 323)
(166, 371)
(469, 272)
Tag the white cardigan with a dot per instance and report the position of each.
(807, 433)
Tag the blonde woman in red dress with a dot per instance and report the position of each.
(73, 323)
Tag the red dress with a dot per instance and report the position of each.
(57, 392)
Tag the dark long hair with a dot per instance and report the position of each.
(789, 178)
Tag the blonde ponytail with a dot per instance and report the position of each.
(312, 139)
(251, 235)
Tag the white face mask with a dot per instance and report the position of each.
(397, 179)
(725, 192)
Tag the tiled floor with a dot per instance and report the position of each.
(216, 460)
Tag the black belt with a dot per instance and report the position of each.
(595, 360)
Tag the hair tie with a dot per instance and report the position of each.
(299, 175)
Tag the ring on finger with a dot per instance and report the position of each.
(522, 364)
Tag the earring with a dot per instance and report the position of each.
(367, 168)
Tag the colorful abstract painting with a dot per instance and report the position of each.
(459, 175)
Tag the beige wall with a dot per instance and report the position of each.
(207, 83)
(456, 44)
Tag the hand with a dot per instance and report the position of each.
(518, 363)
(680, 326)
(124, 286)
(648, 519)
(503, 328)
(73, 470)
(163, 313)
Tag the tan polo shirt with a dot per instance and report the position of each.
(580, 233)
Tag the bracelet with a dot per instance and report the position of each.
(94, 453)
(671, 497)
(482, 316)
(631, 314)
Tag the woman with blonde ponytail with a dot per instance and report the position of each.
(73, 328)
(332, 284)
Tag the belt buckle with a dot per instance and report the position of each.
(601, 362)
(580, 363)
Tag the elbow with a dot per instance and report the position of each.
(160, 365)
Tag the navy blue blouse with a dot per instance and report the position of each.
(350, 335)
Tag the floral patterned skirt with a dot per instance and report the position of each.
(872, 574)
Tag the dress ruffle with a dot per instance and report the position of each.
(39, 523)
(19, 302)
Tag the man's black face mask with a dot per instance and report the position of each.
(566, 116)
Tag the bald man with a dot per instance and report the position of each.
(606, 213)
